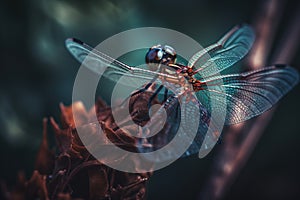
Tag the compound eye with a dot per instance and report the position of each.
(169, 50)
(154, 55)
(160, 54)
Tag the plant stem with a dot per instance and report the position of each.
(240, 139)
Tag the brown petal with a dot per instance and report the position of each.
(45, 158)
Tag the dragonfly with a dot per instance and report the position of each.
(247, 94)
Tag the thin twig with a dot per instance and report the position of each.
(240, 140)
(265, 24)
(290, 42)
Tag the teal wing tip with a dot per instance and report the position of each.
(243, 24)
(244, 30)
(69, 41)
(297, 75)
(293, 71)
(247, 27)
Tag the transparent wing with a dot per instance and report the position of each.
(208, 128)
(249, 94)
(227, 51)
(96, 60)
(189, 123)
(107, 66)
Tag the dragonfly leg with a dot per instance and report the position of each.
(154, 95)
(140, 90)
(145, 88)
(166, 94)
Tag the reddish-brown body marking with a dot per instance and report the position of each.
(188, 72)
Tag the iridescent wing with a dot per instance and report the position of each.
(107, 66)
(227, 51)
(188, 123)
(248, 94)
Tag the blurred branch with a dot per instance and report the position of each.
(265, 25)
(289, 43)
(240, 139)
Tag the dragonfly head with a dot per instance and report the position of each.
(159, 54)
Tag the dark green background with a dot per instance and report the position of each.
(37, 73)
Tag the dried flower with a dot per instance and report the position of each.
(74, 173)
